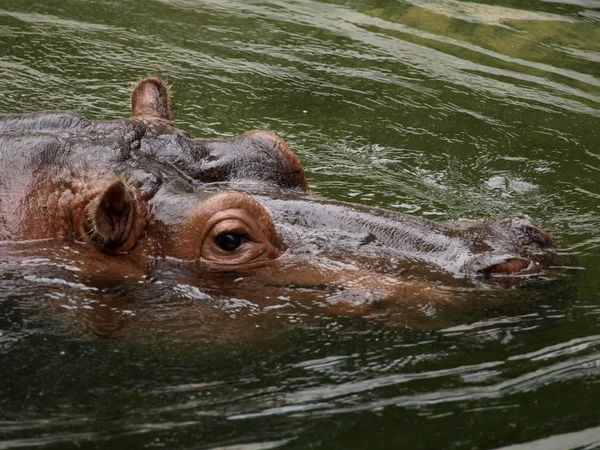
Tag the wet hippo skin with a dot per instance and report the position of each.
(143, 188)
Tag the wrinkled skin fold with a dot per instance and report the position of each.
(142, 188)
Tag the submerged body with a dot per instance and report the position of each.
(142, 187)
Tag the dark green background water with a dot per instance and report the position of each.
(443, 109)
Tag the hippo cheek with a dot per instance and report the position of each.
(229, 231)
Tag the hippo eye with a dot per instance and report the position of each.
(230, 241)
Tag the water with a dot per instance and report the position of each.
(442, 109)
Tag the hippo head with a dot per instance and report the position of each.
(143, 187)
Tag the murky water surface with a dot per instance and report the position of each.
(442, 109)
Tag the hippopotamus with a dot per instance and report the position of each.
(142, 189)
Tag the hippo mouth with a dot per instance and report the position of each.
(499, 266)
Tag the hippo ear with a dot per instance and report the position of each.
(110, 216)
(151, 98)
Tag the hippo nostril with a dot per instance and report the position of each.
(537, 236)
(530, 234)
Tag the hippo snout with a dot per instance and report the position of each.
(529, 234)
(524, 244)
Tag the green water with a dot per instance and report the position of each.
(442, 109)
